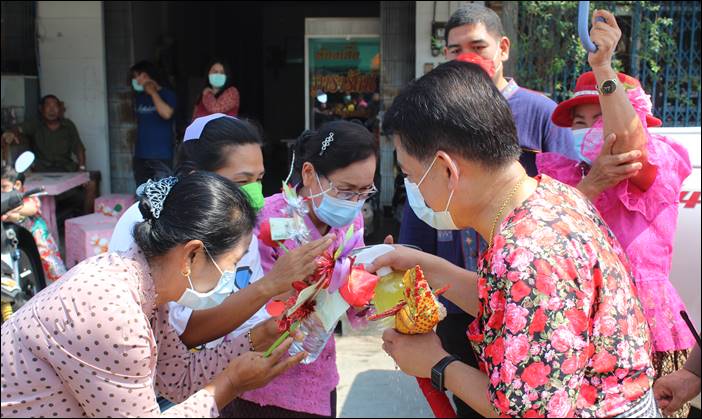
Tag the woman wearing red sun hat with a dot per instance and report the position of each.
(634, 178)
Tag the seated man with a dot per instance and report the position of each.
(56, 145)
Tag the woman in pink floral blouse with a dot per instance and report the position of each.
(97, 342)
(559, 331)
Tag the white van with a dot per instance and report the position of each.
(686, 271)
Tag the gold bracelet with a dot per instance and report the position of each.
(251, 345)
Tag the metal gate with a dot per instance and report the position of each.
(660, 46)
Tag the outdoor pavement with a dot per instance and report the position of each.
(371, 386)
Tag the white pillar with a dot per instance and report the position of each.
(72, 67)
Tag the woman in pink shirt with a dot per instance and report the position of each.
(337, 166)
(97, 341)
(634, 178)
(220, 95)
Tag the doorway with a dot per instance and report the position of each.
(263, 42)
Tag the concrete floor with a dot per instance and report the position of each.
(371, 386)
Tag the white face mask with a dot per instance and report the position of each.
(204, 300)
(438, 220)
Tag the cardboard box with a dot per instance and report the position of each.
(87, 236)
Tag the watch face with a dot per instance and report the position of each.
(608, 87)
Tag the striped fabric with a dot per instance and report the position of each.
(645, 408)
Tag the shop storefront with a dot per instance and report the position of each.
(342, 71)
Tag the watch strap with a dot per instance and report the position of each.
(437, 372)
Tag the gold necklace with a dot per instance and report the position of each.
(503, 206)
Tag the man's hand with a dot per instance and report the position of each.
(609, 169)
(606, 36)
(401, 259)
(674, 390)
(415, 354)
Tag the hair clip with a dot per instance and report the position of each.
(327, 142)
(156, 193)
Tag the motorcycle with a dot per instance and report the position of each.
(22, 272)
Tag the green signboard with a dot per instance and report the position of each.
(362, 54)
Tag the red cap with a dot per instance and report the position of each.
(586, 93)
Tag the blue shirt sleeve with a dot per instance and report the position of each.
(532, 117)
(169, 97)
(555, 139)
(416, 232)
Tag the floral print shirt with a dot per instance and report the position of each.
(560, 331)
(226, 103)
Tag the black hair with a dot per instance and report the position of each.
(350, 143)
(455, 108)
(227, 84)
(201, 206)
(44, 98)
(9, 173)
(149, 68)
(208, 152)
(471, 14)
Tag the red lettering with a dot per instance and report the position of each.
(690, 199)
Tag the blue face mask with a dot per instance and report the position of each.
(578, 137)
(335, 212)
(136, 86)
(217, 80)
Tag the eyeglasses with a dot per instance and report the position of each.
(351, 195)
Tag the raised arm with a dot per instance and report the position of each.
(164, 109)
(618, 114)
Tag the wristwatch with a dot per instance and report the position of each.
(437, 372)
(607, 87)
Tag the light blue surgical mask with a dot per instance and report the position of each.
(333, 211)
(136, 86)
(578, 137)
(217, 80)
(439, 220)
(203, 300)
